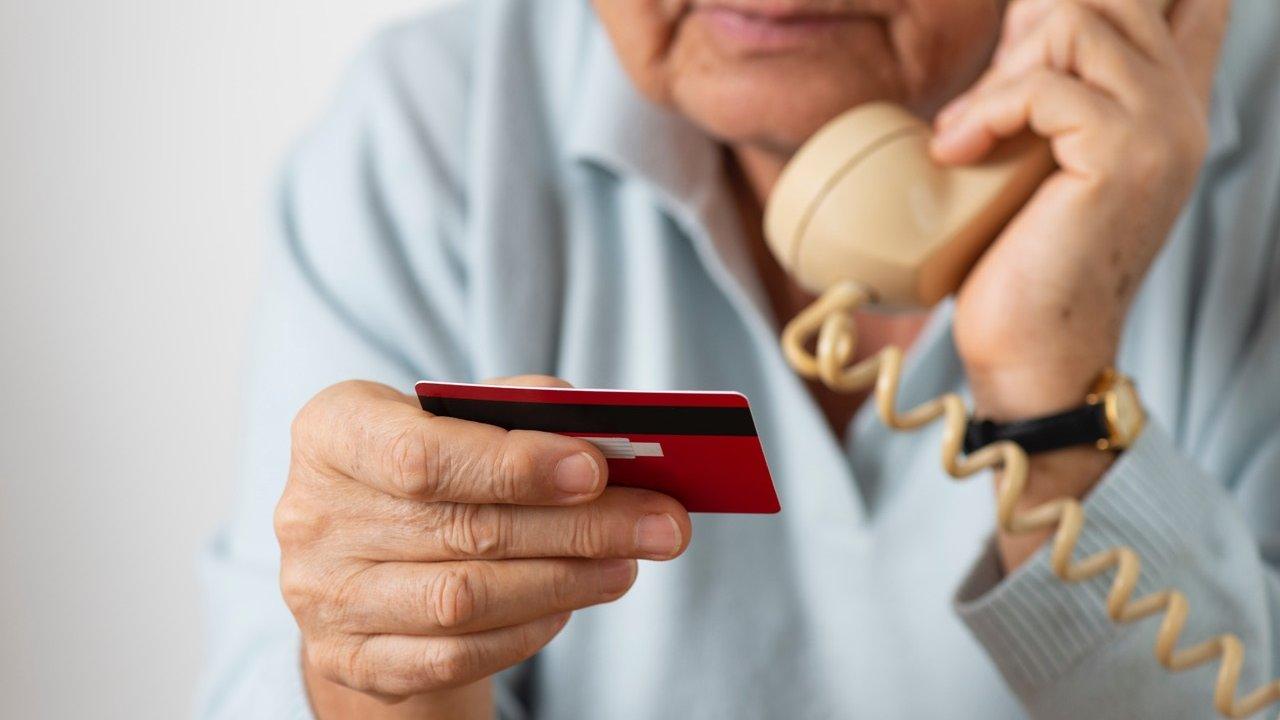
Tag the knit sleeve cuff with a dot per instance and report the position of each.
(1036, 627)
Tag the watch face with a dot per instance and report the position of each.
(1124, 414)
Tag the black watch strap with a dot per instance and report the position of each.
(1080, 426)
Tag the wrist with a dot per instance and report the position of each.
(1019, 392)
(1007, 394)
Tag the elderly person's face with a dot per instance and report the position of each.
(767, 73)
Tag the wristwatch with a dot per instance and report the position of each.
(1111, 419)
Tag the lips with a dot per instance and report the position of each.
(799, 10)
(774, 26)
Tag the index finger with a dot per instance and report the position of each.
(391, 445)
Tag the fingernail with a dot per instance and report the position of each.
(577, 474)
(657, 536)
(616, 575)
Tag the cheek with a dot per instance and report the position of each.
(777, 100)
(943, 46)
(921, 56)
(641, 32)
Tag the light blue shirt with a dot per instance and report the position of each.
(489, 196)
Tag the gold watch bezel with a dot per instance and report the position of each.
(1121, 408)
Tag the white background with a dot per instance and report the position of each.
(137, 144)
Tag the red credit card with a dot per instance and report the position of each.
(701, 448)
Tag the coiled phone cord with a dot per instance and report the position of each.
(831, 319)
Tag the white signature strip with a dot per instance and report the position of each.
(624, 449)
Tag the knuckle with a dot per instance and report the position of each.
(589, 536)
(322, 423)
(319, 410)
(512, 463)
(449, 663)
(298, 426)
(563, 584)
(298, 589)
(413, 458)
(435, 521)
(307, 415)
(455, 598)
(340, 604)
(475, 531)
(302, 431)
(320, 658)
(355, 669)
(296, 523)
(339, 662)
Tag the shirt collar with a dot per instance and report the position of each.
(616, 128)
(619, 130)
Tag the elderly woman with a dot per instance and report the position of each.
(550, 192)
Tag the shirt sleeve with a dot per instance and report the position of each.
(364, 278)
(1212, 535)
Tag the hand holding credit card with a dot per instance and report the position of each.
(701, 448)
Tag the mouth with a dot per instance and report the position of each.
(770, 27)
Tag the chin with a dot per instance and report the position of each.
(774, 109)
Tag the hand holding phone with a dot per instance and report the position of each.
(1043, 197)
(1121, 93)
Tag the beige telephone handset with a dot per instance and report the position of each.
(920, 225)
(863, 215)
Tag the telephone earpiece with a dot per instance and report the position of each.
(863, 200)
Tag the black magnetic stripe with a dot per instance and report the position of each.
(619, 419)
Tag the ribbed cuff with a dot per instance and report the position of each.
(1033, 625)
